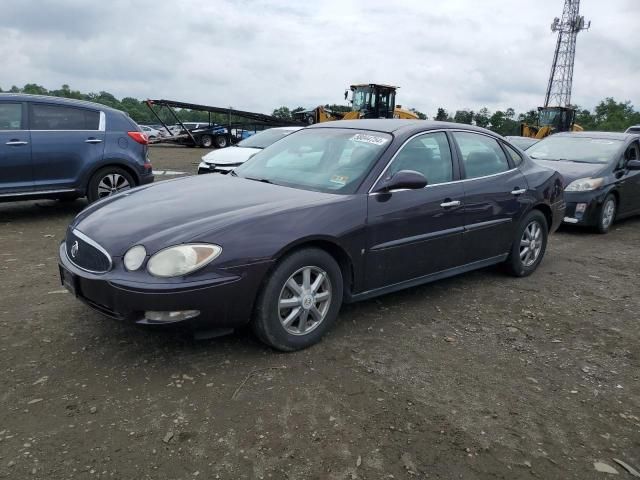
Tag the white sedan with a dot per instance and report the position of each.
(226, 159)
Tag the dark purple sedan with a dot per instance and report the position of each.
(337, 212)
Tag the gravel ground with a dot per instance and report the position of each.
(479, 376)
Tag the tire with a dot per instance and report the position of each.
(523, 261)
(310, 120)
(108, 181)
(206, 141)
(221, 141)
(607, 214)
(305, 327)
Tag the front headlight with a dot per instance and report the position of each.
(584, 184)
(134, 258)
(182, 259)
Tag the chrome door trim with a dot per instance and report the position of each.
(37, 192)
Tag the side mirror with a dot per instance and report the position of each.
(404, 179)
(633, 165)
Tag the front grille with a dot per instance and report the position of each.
(86, 254)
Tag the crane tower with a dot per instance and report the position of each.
(561, 77)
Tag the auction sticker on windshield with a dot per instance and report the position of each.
(372, 139)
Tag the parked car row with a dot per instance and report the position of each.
(306, 218)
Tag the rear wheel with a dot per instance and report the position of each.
(221, 141)
(607, 214)
(300, 301)
(529, 245)
(108, 181)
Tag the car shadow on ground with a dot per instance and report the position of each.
(40, 210)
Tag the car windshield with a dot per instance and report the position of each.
(264, 139)
(575, 149)
(332, 160)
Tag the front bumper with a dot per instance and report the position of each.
(224, 299)
(205, 167)
(583, 208)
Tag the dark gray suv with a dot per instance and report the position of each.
(54, 147)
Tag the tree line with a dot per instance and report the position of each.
(608, 115)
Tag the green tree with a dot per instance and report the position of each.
(283, 113)
(442, 115)
(463, 116)
(615, 116)
(481, 117)
(34, 89)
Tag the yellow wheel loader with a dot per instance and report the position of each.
(551, 120)
(368, 100)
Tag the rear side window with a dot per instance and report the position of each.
(481, 155)
(10, 116)
(515, 156)
(60, 117)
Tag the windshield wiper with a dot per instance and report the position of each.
(263, 180)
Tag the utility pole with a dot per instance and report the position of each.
(561, 77)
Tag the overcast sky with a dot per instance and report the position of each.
(259, 54)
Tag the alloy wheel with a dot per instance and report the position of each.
(304, 300)
(608, 213)
(111, 184)
(531, 243)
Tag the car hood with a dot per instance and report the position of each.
(571, 171)
(230, 155)
(177, 211)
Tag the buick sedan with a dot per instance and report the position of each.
(337, 212)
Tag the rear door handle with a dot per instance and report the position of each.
(452, 203)
(518, 191)
(93, 140)
(17, 142)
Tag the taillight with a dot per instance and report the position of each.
(139, 137)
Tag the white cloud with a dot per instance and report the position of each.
(258, 54)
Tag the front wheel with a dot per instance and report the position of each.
(607, 214)
(300, 301)
(108, 181)
(529, 246)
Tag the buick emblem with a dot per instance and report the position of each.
(74, 249)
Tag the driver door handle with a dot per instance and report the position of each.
(451, 203)
(17, 142)
(93, 140)
(518, 191)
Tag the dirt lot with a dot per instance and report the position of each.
(480, 376)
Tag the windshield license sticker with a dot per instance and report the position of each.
(372, 139)
(339, 179)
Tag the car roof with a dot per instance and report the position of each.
(24, 97)
(396, 125)
(603, 135)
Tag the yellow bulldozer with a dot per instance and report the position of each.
(368, 100)
(551, 120)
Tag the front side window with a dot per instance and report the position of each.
(332, 160)
(264, 139)
(481, 155)
(427, 154)
(10, 116)
(60, 117)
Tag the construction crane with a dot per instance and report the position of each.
(558, 115)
